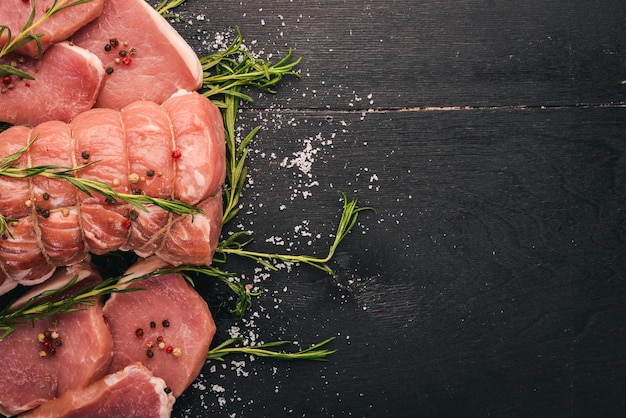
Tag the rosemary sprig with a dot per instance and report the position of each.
(243, 294)
(8, 168)
(4, 225)
(51, 302)
(55, 301)
(235, 244)
(236, 155)
(225, 74)
(27, 33)
(166, 5)
(226, 71)
(315, 352)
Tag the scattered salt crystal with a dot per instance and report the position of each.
(217, 388)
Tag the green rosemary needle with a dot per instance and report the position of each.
(89, 186)
(51, 302)
(225, 74)
(315, 352)
(225, 71)
(56, 301)
(235, 243)
(236, 155)
(166, 5)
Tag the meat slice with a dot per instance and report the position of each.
(31, 373)
(144, 149)
(100, 137)
(131, 392)
(158, 61)
(14, 192)
(67, 82)
(58, 28)
(21, 255)
(168, 327)
(55, 200)
(201, 165)
(150, 141)
(192, 241)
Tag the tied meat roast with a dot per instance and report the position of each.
(171, 151)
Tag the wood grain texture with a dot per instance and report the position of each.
(440, 53)
(489, 136)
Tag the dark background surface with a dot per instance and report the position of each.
(489, 136)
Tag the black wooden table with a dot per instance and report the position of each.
(489, 136)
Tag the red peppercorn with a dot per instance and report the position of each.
(176, 154)
(169, 349)
(126, 61)
(159, 338)
(139, 332)
(127, 223)
(6, 80)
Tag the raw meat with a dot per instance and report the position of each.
(184, 241)
(60, 232)
(59, 27)
(67, 82)
(158, 61)
(131, 392)
(143, 149)
(23, 262)
(168, 327)
(31, 373)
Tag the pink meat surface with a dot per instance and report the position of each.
(168, 327)
(131, 392)
(190, 241)
(99, 136)
(158, 60)
(59, 232)
(58, 28)
(201, 167)
(31, 373)
(13, 194)
(144, 149)
(67, 82)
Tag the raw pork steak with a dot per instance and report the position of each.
(59, 27)
(67, 82)
(157, 60)
(131, 392)
(168, 327)
(60, 353)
